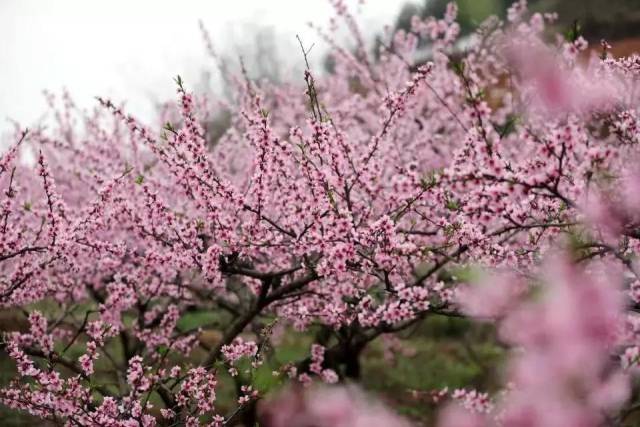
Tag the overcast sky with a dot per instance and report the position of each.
(131, 49)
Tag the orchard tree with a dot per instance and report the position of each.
(341, 205)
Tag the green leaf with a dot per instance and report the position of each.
(179, 81)
(574, 32)
(509, 126)
(168, 126)
(452, 205)
(429, 181)
(458, 67)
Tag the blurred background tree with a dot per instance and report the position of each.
(612, 19)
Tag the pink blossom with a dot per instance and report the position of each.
(332, 406)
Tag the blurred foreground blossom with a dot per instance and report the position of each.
(557, 82)
(492, 296)
(337, 406)
(560, 372)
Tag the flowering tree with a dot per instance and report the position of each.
(341, 205)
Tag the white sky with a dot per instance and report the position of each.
(131, 49)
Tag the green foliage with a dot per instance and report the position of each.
(508, 127)
(574, 32)
(192, 320)
(449, 352)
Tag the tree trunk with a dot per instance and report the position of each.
(351, 360)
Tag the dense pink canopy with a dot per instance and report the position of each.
(336, 200)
